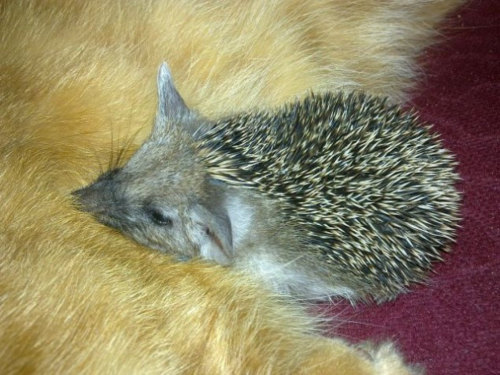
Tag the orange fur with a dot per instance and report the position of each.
(77, 79)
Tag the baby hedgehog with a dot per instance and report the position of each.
(333, 195)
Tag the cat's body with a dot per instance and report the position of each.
(75, 84)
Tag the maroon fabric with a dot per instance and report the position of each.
(452, 325)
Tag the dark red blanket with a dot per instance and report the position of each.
(452, 325)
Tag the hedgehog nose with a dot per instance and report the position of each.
(80, 196)
(86, 199)
(76, 194)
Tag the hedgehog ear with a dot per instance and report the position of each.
(211, 233)
(171, 107)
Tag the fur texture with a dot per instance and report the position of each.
(75, 86)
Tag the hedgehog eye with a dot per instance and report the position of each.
(159, 218)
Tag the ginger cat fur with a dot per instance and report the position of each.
(77, 88)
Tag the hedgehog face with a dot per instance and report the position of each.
(163, 197)
(155, 210)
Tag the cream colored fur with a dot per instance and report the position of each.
(77, 83)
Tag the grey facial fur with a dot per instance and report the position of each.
(163, 197)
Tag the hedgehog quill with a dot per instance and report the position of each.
(333, 195)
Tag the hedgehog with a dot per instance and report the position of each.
(332, 195)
